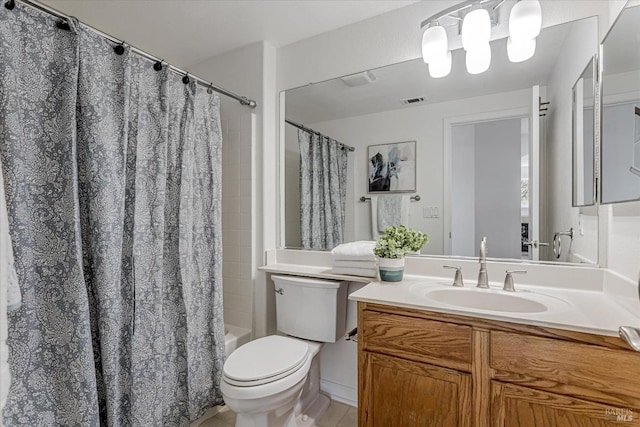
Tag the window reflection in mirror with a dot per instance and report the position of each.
(401, 102)
(620, 109)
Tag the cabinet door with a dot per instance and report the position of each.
(515, 406)
(403, 393)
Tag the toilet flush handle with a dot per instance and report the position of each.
(280, 291)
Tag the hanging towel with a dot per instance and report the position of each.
(388, 211)
(354, 251)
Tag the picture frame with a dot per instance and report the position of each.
(392, 167)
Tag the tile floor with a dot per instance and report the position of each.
(337, 415)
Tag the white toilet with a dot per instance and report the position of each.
(275, 381)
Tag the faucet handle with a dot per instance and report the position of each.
(457, 279)
(508, 279)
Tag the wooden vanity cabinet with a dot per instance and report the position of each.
(420, 368)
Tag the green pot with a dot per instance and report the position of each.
(391, 270)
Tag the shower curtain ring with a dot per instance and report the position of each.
(210, 89)
(63, 24)
(10, 4)
(186, 79)
(158, 65)
(119, 49)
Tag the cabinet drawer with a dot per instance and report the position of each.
(595, 373)
(439, 343)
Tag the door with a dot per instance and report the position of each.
(524, 407)
(532, 241)
(402, 393)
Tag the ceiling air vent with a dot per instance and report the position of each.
(359, 79)
(413, 101)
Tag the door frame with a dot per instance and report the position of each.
(448, 123)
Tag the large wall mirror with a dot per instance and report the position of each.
(487, 154)
(620, 159)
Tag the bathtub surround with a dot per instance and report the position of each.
(113, 188)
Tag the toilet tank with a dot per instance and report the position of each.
(311, 309)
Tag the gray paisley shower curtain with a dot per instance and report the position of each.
(113, 185)
(323, 190)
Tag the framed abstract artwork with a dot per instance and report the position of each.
(392, 167)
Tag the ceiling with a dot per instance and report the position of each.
(333, 99)
(187, 32)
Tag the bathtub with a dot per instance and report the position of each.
(234, 337)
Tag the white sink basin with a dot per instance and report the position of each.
(487, 299)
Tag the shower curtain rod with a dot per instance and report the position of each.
(51, 11)
(304, 128)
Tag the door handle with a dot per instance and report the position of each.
(535, 243)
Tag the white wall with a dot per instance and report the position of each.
(236, 216)
(561, 216)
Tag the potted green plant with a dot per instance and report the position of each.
(393, 246)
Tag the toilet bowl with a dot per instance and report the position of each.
(275, 381)
(263, 380)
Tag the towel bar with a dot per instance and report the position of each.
(366, 199)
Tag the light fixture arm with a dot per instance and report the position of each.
(449, 12)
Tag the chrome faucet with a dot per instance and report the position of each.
(483, 277)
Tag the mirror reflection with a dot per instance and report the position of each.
(493, 152)
(621, 109)
(583, 148)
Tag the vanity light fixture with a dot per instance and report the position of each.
(477, 18)
(520, 51)
(434, 44)
(441, 67)
(478, 59)
(525, 21)
(476, 29)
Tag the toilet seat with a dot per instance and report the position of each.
(265, 360)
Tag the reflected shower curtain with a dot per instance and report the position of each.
(323, 190)
(113, 185)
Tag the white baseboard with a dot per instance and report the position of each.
(340, 393)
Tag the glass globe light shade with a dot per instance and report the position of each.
(476, 29)
(521, 51)
(441, 67)
(525, 20)
(478, 59)
(434, 44)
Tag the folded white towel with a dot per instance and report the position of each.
(361, 251)
(355, 264)
(364, 272)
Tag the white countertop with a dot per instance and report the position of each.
(582, 299)
(590, 311)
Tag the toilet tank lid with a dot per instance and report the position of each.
(265, 357)
(305, 281)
